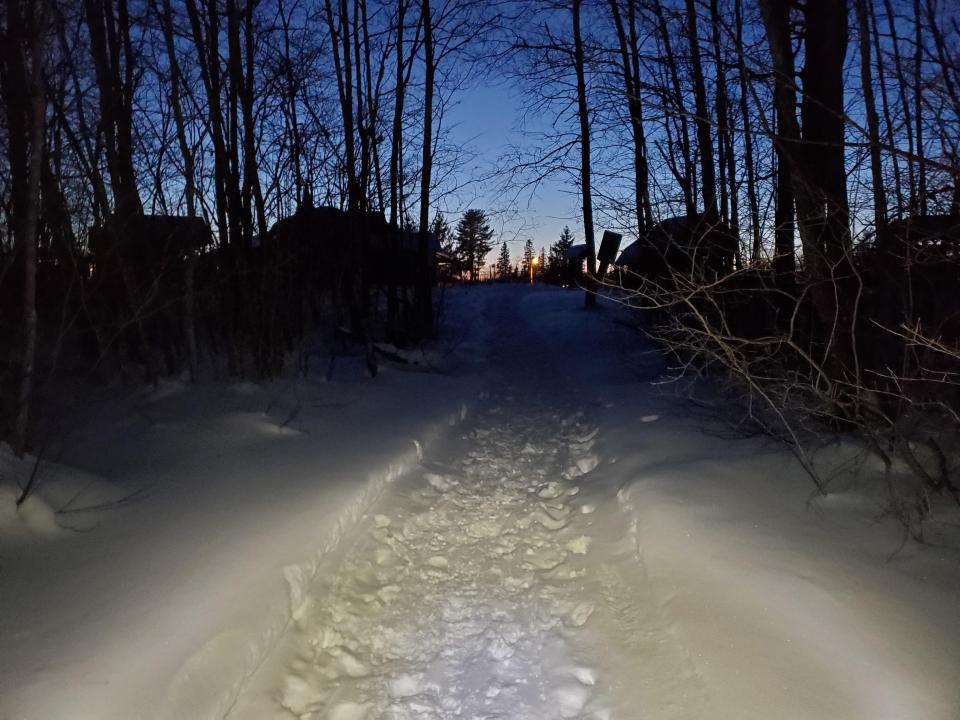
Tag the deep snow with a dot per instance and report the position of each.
(531, 528)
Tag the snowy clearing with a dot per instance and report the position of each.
(535, 531)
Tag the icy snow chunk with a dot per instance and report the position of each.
(570, 700)
(348, 711)
(649, 418)
(550, 491)
(404, 686)
(547, 521)
(439, 482)
(545, 558)
(381, 521)
(500, 649)
(483, 529)
(581, 613)
(350, 665)
(567, 573)
(438, 561)
(580, 545)
(585, 675)
(587, 463)
(38, 516)
(587, 508)
(301, 696)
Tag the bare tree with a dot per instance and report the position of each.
(583, 113)
(22, 86)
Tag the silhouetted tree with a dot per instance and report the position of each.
(474, 241)
(503, 268)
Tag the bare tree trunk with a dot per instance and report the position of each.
(396, 146)
(904, 103)
(422, 296)
(396, 136)
(888, 121)
(583, 114)
(113, 63)
(630, 58)
(873, 122)
(687, 186)
(918, 51)
(817, 166)
(704, 139)
(725, 159)
(189, 188)
(752, 201)
(24, 36)
(251, 175)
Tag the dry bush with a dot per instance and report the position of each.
(897, 392)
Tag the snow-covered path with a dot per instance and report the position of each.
(489, 584)
(484, 588)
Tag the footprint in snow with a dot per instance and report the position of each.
(582, 466)
(439, 482)
(550, 491)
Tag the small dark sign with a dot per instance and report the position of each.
(609, 246)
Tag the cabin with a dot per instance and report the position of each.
(687, 246)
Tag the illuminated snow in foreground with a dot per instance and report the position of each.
(483, 587)
(527, 527)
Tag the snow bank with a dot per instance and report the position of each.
(787, 608)
(175, 531)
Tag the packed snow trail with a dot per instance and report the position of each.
(491, 584)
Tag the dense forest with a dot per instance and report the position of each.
(205, 183)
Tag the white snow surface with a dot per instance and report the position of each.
(526, 525)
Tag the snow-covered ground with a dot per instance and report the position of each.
(528, 527)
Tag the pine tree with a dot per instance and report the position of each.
(443, 233)
(542, 263)
(558, 252)
(503, 267)
(474, 241)
(528, 256)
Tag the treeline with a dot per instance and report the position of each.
(241, 113)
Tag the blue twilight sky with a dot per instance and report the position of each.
(487, 121)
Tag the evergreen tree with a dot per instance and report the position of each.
(474, 241)
(528, 256)
(542, 262)
(503, 267)
(409, 224)
(558, 252)
(443, 233)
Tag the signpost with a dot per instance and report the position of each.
(609, 246)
